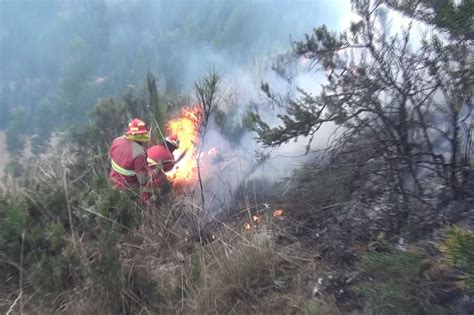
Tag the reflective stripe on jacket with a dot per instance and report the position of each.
(121, 170)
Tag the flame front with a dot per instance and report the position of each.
(186, 127)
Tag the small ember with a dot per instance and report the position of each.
(277, 213)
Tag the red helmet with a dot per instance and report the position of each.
(172, 140)
(136, 127)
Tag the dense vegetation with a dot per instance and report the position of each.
(59, 57)
(379, 223)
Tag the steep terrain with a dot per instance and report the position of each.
(375, 216)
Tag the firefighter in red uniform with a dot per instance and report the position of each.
(160, 160)
(128, 157)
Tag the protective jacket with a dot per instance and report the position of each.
(159, 155)
(160, 160)
(129, 166)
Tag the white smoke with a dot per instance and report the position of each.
(241, 163)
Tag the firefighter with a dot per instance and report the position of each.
(160, 160)
(128, 157)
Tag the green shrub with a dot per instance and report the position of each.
(391, 274)
(53, 272)
(390, 265)
(120, 206)
(106, 268)
(323, 185)
(388, 297)
(401, 283)
(457, 247)
(14, 220)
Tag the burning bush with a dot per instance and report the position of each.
(186, 126)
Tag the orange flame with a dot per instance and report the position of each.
(247, 226)
(186, 127)
(277, 213)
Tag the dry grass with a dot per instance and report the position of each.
(236, 275)
(237, 272)
(161, 271)
(156, 266)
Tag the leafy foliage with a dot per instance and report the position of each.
(458, 251)
(392, 265)
(413, 104)
(110, 116)
(207, 94)
(451, 16)
(303, 118)
(399, 283)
